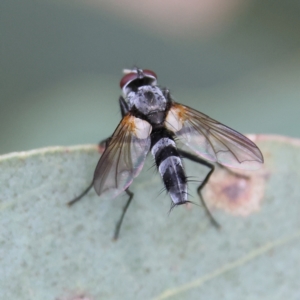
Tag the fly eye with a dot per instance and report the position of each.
(127, 79)
(150, 73)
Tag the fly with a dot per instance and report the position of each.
(153, 122)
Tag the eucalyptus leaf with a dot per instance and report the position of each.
(52, 251)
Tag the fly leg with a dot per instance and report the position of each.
(201, 161)
(81, 195)
(102, 145)
(124, 110)
(118, 226)
(231, 172)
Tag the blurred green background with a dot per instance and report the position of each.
(61, 63)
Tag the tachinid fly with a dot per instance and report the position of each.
(152, 121)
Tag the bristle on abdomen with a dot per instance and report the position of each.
(170, 168)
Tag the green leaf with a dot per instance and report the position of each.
(52, 251)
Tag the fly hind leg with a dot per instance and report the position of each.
(201, 161)
(233, 173)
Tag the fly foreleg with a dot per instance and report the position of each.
(81, 195)
(102, 146)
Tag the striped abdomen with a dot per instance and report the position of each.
(170, 166)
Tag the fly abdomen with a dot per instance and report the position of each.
(170, 168)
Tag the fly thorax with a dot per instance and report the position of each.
(150, 102)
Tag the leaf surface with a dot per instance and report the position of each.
(52, 251)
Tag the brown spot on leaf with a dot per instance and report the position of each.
(238, 195)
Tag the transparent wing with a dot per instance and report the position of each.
(212, 140)
(123, 158)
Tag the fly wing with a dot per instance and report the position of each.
(124, 157)
(212, 140)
